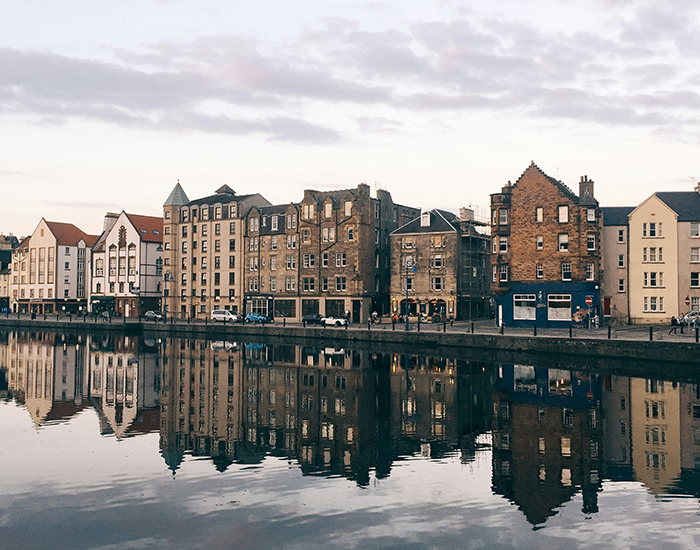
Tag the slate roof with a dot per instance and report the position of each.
(684, 203)
(150, 228)
(616, 215)
(177, 197)
(221, 198)
(68, 234)
(337, 196)
(441, 221)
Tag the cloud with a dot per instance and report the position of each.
(641, 74)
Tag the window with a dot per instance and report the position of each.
(351, 233)
(539, 214)
(653, 303)
(695, 254)
(308, 284)
(324, 284)
(494, 245)
(290, 283)
(273, 284)
(540, 242)
(620, 260)
(563, 242)
(340, 283)
(590, 272)
(324, 259)
(273, 223)
(273, 242)
(563, 214)
(590, 242)
(566, 272)
(694, 281)
(559, 307)
(348, 208)
(620, 235)
(307, 211)
(694, 229)
(328, 209)
(503, 216)
(503, 276)
(204, 230)
(305, 236)
(309, 260)
(503, 244)
(437, 261)
(291, 221)
(231, 262)
(524, 307)
(590, 214)
(291, 262)
(437, 241)
(539, 270)
(232, 245)
(437, 284)
(341, 259)
(620, 285)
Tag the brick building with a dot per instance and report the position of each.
(440, 262)
(202, 260)
(327, 254)
(546, 257)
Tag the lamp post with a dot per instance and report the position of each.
(409, 265)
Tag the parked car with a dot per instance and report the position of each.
(253, 317)
(689, 317)
(225, 316)
(312, 319)
(334, 321)
(153, 316)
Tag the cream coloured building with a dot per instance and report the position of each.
(664, 257)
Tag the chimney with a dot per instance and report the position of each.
(585, 187)
(466, 214)
(110, 220)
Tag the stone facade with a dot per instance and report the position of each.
(545, 241)
(443, 261)
(202, 252)
(328, 254)
(615, 263)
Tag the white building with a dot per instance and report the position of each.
(50, 270)
(127, 266)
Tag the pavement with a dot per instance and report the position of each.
(480, 326)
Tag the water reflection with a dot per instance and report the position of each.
(554, 433)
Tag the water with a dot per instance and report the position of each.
(116, 442)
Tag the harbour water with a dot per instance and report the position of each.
(112, 442)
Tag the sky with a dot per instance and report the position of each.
(105, 106)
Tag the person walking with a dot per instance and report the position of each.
(674, 326)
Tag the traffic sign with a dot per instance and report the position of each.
(687, 300)
(589, 301)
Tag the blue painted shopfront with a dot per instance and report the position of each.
(548, 305)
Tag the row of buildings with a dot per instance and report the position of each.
(547, 257)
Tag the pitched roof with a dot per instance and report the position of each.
(336, 196)
(440, 222)
(150, 228)
(177, 197)
(616, 215)
(684, 203)
(68, 234)
(218, 198)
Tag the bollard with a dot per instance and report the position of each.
(346, 324)
(206, 320)
(534, 331)
(502, 329)
(697, 335)
(284, 321)
(681, 324)
(369, 325)
(651, 333)
(188, 319)
(418, 325)
(571, 331)
(609, 332)
(70, 317)
(44, 316)
(110, 319)
(444, 326)
(124, 319)
(393, 325)
(472, 327)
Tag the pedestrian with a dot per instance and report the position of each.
(674, 326)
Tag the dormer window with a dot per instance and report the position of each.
(328, 209)
(425, 219)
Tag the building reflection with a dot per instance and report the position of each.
(547, 438)
(56, 376)
(335, 411)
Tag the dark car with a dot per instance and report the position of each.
(253, 317)
(312, 319)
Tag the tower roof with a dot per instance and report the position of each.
(177, 197)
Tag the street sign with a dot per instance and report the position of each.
(589, 301)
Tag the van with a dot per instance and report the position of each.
(225, 316)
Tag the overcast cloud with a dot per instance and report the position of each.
(644, 75)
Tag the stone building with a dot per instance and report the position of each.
(615, 279)
(202, 254)
(328, 254)
(441, 263)
(546, 251)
